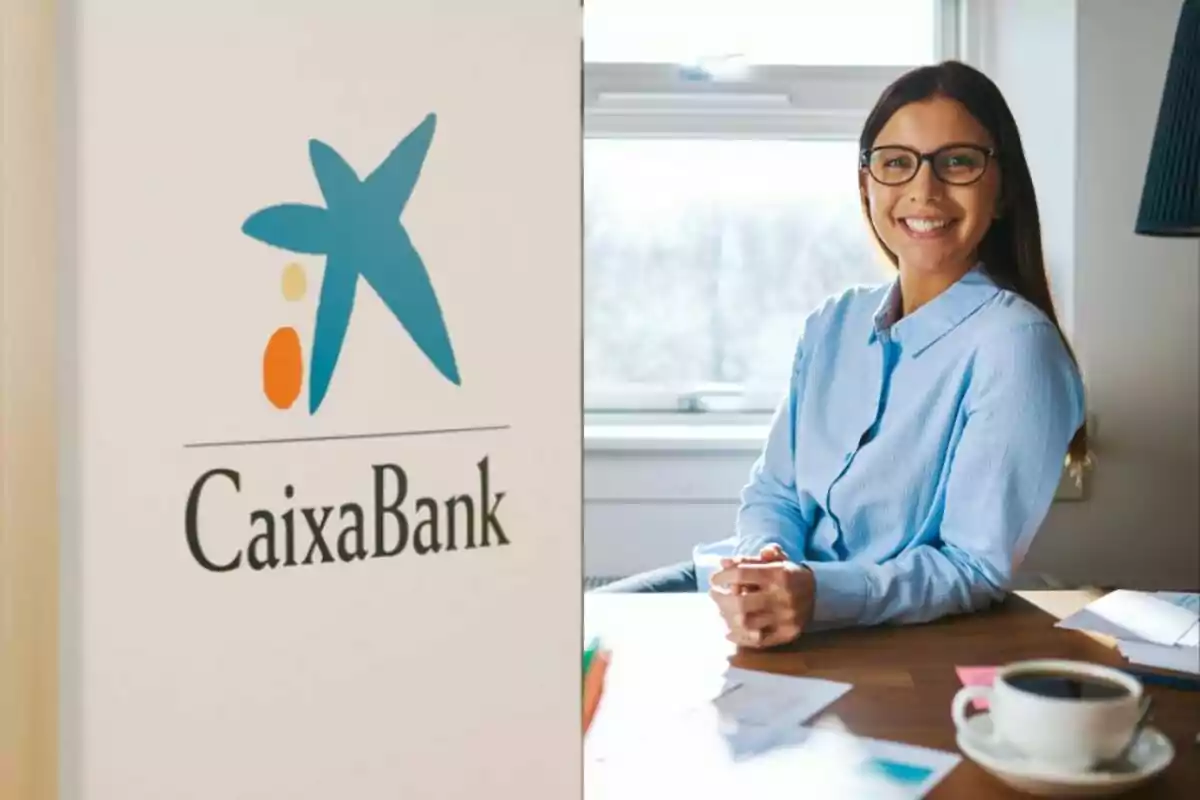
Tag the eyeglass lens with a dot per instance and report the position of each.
(956, 165)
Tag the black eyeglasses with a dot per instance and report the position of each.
(955, 164)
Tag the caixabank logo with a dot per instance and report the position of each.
(361, 237)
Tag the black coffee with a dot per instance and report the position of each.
(1067, 685)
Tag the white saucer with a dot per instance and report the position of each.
(1150, 755)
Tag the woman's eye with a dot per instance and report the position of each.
(961, 161)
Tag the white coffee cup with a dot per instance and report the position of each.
(1070, 734)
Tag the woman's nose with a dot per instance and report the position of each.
(925, 185)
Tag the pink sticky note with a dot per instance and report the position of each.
(976, 676)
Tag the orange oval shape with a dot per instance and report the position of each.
(283, 368)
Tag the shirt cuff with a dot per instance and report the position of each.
(706, 558)
(841, 592)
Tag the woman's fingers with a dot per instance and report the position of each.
(773, 552)
(780, 634)
(751, 619)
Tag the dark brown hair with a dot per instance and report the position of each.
(1011, 250)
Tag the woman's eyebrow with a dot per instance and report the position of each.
(951, 143)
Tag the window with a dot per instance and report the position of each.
(720, 199)
(796, 32)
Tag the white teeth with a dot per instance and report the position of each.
(925, 225)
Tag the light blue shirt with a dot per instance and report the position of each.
(912, 462)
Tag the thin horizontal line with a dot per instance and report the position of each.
(658, 501)
(347, 437)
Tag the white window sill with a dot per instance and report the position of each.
(673, 438)
(668, 433)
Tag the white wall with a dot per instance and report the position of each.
(1029, 49)
(1083, 78)
(1137, 312)
(646, 509)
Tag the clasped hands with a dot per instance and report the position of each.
(765, 600)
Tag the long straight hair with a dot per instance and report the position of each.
(1011, 250)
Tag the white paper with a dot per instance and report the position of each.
(835, 764)
(1180, 659)
(1085, 620)
(739, 711)
(1191, 602)
(1191, 639)
(752, 710)
(1136, 616)
(723, 726)
(816, 764)
(1188, 600)
(765, 699)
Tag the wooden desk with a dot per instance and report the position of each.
(903, 680)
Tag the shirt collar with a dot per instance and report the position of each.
(939, 316)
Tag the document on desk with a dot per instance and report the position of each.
(1154, 630)
(837, 764)
(727, 718)
(742, 733)
(803, 762)
(1191, 602)
(1178, 659)
(1166, 618)
(768, 700)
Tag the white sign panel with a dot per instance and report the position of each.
(326, 369)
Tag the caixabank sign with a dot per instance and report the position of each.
(324, 446)
(360, 236)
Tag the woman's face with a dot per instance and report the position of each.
(932, 226)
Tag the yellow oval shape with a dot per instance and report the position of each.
(294, 282)
(283, 368)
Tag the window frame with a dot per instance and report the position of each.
(767, 102)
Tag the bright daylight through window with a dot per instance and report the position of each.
(720, 188)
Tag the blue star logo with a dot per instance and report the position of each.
(360, 234)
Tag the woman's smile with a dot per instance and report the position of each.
(928, 227)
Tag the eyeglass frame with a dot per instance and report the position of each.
(989, 155)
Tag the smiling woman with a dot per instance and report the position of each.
(927, 419)
(959, 211)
